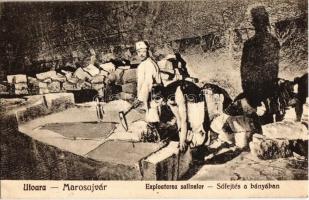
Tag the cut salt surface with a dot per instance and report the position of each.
(286, 129)
(164, 153)
(84, 130)
(123, 152)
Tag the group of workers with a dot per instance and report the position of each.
(259, 77)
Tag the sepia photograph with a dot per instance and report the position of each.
(213, 90)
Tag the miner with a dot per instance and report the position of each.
(147, 76)
(188, 104)
(260, 60)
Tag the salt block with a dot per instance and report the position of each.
(37, 108)
(43, 91)
(266, 148)
(59, 101)
(92, 70)
(81, 74)
(69, 86)
(109, 67)
(17, 78)
(286, 129)
(22, 91)
(46, 75)
(54, 86)
(128, 154)
(20, 86)
(166, 164)
(130, 88)
(108, 57)
(129, 76)
(73, 80)
(47, 80)
(300, 147)
(59, 77)
(103, 73)
(33, 86)
(32, 80)
(98, 79)
(42, 85)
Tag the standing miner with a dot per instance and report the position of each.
(147, 76)
(260, 60)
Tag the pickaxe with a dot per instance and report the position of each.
(122, 115)
(99, 109)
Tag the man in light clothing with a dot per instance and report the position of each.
(147, 76)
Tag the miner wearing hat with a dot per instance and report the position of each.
(147, 77)
(260, 60)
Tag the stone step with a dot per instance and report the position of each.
(126, 154)
(166, 164)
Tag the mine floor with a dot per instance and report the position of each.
(230, 165)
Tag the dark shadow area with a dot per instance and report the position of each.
(199, 154)
(85, 95)
(82, 130)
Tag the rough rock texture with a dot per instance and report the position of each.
(33, 86)
(69, 86)
(41, 105)
(20, 88)
(59, 101)
(54, 87)
(280, 140)
(248, 167)
(46, 75)
(3, 88)
(265, 148)
(32, 112)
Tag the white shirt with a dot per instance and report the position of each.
(148, 74)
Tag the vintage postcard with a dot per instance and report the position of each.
(154, 99)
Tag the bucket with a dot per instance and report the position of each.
(242, 139)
